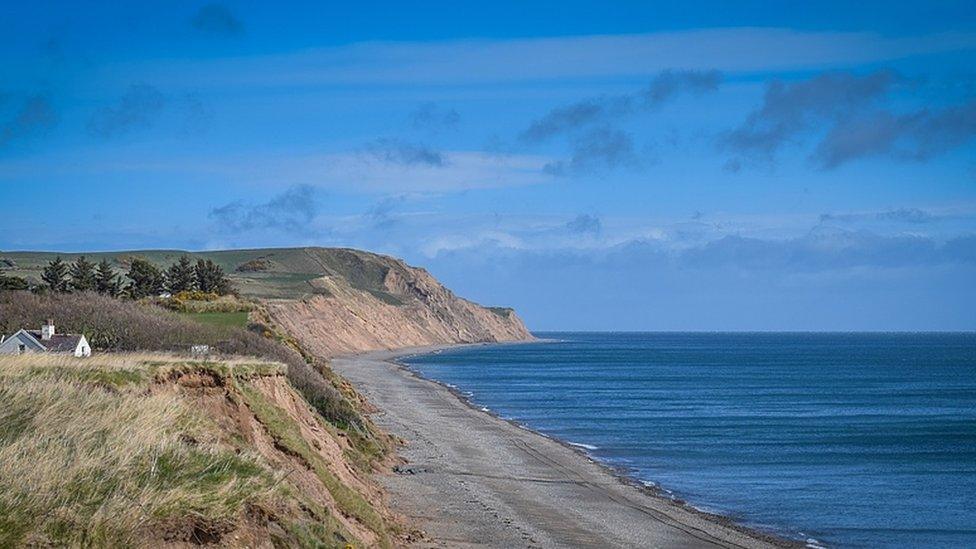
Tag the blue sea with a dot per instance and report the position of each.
(848, 440)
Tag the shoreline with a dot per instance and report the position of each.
(675, 521)
(620, 473)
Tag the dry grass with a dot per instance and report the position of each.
(99, 464)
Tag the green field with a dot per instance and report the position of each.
(235, 320)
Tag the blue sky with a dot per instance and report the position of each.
(641, 166)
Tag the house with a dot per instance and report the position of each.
(44, 341)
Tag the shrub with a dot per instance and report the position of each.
(13, 283)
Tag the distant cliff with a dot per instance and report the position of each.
(377, 302)
(336, 300)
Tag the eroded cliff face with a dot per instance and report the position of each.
(407, 307)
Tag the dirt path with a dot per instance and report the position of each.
(473, 480)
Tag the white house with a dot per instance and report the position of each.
(45, 341)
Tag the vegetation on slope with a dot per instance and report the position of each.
(116, 325)
(122, 450)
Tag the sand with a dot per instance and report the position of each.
(475, 480)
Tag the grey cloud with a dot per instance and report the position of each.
(429, 116)
(380, 214)
(290, 211)
(585, 223)
(598, 148)
(916, 136)
(35, 116)
(571, 117)
(671, 83)
(901, 215)
(791, 109)
(397, 151)
(217, 19)
(908, 215)
(138, 108)
(664, 87)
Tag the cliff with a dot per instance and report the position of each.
(124, 450)
(403, 307)
(335, 300)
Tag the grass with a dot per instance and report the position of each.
(236, 319)
(83, 466)
(90, 456)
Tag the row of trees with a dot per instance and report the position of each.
(144, 278)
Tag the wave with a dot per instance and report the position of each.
(583, 446)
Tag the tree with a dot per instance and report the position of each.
(181, 276)
(55, 275)
(211, 278)
(82, 274)
(13, 283)
(106, 280)
(147, 279)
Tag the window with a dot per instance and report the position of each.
(21, 348)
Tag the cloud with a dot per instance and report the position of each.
(585, 223)
(397, 151)
(35, 116)
(789, 110)
(217, 19)
(380, 214)
(349, 172)
(671, 83)
(918, 135)
(830, 250)
(571, 117)
(738, 50)
(900, 215)
(429, 116)
(138, 108)
(664, 87)
(843, 113)
(291, 211)
(602, 147)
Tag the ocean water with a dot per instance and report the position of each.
(849, 440)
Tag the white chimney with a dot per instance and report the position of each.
(47, 330)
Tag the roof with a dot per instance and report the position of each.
(59, 343)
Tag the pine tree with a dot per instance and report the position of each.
(82, 274)
(211, 278)
(13, 283)
(55, 275)
(181, 276)
(147, 279)
(106, 281)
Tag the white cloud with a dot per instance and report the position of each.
(353, 172)
(470, 61)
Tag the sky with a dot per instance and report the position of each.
(597, 166)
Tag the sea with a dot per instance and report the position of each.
(834, 439)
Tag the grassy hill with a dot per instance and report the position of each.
(265, 273)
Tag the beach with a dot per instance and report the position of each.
(471, 479)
